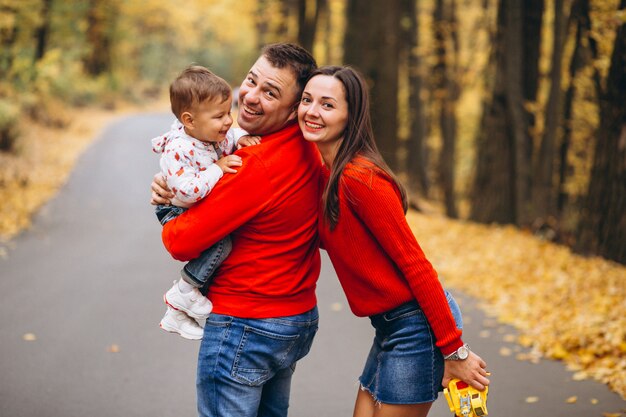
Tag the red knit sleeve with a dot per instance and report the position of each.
(376, 202)
(235, 199)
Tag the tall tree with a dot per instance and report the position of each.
(501, 190)
(446, 94)
(417, 159)
(374, 51)
(101, 17)
(544, 203)
(309, 12)
(43, 31)
(603, 224)
(492, 193)
(584, 54)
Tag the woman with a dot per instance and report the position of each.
(382, 269)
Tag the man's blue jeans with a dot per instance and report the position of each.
(245, 365)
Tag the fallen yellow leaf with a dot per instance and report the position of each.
(510, 338)
(531, 400)
(572, 399)
(114, 348)
(594, 401)
(336, 306)
(505, 351)
(29, 337)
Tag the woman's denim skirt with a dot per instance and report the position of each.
(404, 365)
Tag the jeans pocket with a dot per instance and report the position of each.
(261, 354)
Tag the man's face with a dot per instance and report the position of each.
(268, 98)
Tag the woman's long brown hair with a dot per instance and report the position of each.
(358, 139)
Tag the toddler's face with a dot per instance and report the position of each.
(211, 120)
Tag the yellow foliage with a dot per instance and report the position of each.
(565, 306)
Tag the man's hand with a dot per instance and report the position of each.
(248, 140)
(227, 162)
(161, 194)
(471, 370)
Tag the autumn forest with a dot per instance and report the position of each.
(495, 111)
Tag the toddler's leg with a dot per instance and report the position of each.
(188, 299)
(175, 321)
(198, 272)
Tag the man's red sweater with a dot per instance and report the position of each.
(270, 209)
(378, 261)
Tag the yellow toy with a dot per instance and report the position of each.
(465, 400)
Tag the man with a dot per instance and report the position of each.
(265, 316)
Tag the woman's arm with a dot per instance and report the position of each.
(377, 203)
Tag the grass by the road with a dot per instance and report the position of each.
(565, 306)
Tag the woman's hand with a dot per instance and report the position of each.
(161, 194)
(472, 371)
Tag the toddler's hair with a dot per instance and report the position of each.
(195, 85)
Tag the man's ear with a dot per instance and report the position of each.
(186, 119)
(294, 112)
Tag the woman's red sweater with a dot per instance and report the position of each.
(378, 261)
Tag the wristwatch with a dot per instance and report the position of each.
(460, 354)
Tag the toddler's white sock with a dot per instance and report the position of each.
(184, 286)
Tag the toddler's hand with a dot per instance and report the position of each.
(227, 162)
(248, 140)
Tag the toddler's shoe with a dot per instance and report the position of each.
(178, 322)
(193, 303)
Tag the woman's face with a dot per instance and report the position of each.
(323, 110)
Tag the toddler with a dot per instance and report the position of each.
(195, 154)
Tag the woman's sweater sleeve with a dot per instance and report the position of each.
(376, 202)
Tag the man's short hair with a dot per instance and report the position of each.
(195, 85)
(301, 62)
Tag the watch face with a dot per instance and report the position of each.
(463, 353)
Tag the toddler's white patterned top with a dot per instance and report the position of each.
(188, 164)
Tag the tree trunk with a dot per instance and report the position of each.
(501, 191)
(514, 73)
(417, 160)
(544, 203)
(371, 45)
(493, 194)
(532, 12)
(307, 21)
(579, 17)
(447, 95)
(603, 225)
(101, 16)
(43, 31)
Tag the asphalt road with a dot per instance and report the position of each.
(86, 284)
